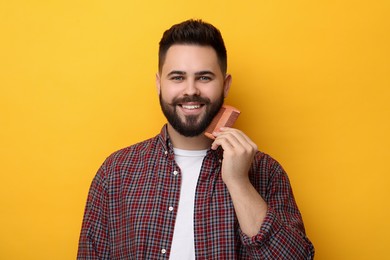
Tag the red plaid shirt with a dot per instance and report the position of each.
(133, 199)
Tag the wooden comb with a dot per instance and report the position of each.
(226, 117)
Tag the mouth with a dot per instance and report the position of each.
(191, 108)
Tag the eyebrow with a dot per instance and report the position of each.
(204, 72)
(199, 73)
(176, 72)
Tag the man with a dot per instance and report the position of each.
(181, 195)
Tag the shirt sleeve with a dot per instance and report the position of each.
(282, 234)
(94, 238)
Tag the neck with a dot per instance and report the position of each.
(199, 142)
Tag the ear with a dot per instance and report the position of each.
(226, 84)
(158, 83)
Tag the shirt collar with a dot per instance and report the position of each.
(163, 139)
(168, 147)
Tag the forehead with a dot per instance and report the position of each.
(190, 58)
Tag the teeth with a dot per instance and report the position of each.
(191, 106)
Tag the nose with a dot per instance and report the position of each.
(191, 88)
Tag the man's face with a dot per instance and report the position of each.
(191, 88)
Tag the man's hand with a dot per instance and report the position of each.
(238, 155)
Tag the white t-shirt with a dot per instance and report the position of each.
(190, 163)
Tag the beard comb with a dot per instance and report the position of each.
(225, 117)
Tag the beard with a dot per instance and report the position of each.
(191, 125)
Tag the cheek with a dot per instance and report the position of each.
(213, 93)
(169, 97)
(167, 93)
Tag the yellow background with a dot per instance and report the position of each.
(310, 77)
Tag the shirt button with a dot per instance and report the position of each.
(220, 161)
(163, 251)
(170, 208)
(166, 152)
(175, 173)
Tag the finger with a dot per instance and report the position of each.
(240, 136)
(230, 141)
(234, 144)
(224, 142)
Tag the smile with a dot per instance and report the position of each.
(190, 107)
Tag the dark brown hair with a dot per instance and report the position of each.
(193, 32)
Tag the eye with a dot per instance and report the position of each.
(204, 78)
(177, 78)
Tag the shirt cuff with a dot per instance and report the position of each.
(271, 226)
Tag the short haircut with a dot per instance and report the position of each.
(193, 32)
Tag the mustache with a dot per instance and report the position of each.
(187, 99)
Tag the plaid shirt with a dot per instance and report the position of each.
(133, 199)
